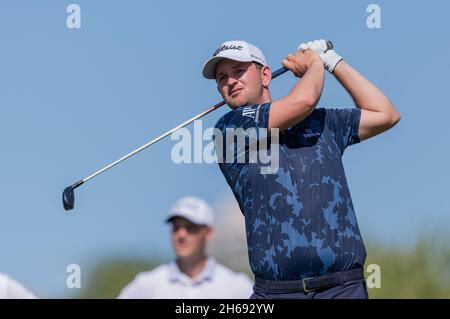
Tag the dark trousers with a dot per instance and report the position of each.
(355, 289)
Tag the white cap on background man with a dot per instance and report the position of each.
(194, 209)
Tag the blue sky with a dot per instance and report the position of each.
(74, 100)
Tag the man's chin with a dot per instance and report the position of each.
(184, 253)
(236, 104)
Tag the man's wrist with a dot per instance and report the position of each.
(338, 67)
(317, 60)
(331, 60)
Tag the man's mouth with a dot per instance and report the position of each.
(235, 92)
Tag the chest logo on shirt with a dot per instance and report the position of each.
(310, 133)
(249, 111)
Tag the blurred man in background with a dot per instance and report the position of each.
(11, 289)
(193, 274)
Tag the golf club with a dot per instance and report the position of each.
(68, 196)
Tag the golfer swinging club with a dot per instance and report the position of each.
(302, 233)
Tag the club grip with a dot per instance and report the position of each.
(279, 72)
(282, 70)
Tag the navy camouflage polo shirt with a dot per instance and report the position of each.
(299, 221)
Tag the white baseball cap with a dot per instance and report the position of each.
(237, 50)
(194, 209)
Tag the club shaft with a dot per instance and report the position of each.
(143, 147)
(215, 107)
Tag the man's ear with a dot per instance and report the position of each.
(210, 233)
(266, 76)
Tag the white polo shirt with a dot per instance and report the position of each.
(168, 282)
(11, 289)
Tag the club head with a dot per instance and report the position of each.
(68, 198)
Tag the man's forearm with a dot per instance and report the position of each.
(310, 86)
(301, 101)
(377, 112)
(364, 93)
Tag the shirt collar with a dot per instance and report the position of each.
(175, 274)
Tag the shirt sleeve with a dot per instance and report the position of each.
(16, 290)
(344, 124)
(249, 124)
(135, 290)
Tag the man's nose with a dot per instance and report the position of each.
(181, 231)
(231, 80)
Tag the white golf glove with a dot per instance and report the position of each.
(329, 57)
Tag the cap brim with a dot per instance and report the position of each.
(192, 219)
(209, 69)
